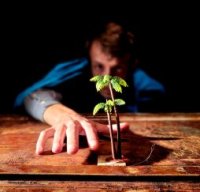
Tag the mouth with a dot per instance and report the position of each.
(105, 92)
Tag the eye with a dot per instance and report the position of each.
(117, 70)
(99, 67)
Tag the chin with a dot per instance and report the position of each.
(106, 93)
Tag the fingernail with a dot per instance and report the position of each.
(56, 148)
(39, 150)
(71, 149)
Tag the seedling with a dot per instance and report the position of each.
(114, 83)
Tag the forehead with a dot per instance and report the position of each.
(97, 55)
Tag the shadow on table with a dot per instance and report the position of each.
(139, 150)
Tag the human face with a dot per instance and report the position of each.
(104, 64)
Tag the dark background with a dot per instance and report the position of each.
(36, 37)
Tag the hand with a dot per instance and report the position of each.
(72, 127)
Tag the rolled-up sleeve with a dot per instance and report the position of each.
(37, 102)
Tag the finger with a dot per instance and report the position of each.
(58, 140)
(44, 135)
(91, 134)
(72, 133)
(123, 127)
(101, 128)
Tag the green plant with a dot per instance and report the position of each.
(114, 83)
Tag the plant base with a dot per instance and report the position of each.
(106, 160)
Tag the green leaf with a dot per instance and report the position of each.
(100, 85)
(119, 102)
(110, 103)
(116, 86)
(96, 78)
(98, 107)
(108, 108)
(106, 78)
(122, 82)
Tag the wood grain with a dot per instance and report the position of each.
(163, 149)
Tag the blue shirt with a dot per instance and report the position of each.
(71, 80)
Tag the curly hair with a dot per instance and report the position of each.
(114, 39)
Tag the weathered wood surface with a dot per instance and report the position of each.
(97, 186)
(160, 147)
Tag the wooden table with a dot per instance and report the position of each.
(164, 153)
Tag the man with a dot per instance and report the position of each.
(60, 98)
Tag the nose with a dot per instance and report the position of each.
(110, 71)
(107, 71)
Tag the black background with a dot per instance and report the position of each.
(36, 37)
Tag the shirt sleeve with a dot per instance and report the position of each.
(60, 73)
(149, 93)
(143, 83)
(37, 102)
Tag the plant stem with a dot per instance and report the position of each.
(119, 154)
(111, 136)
